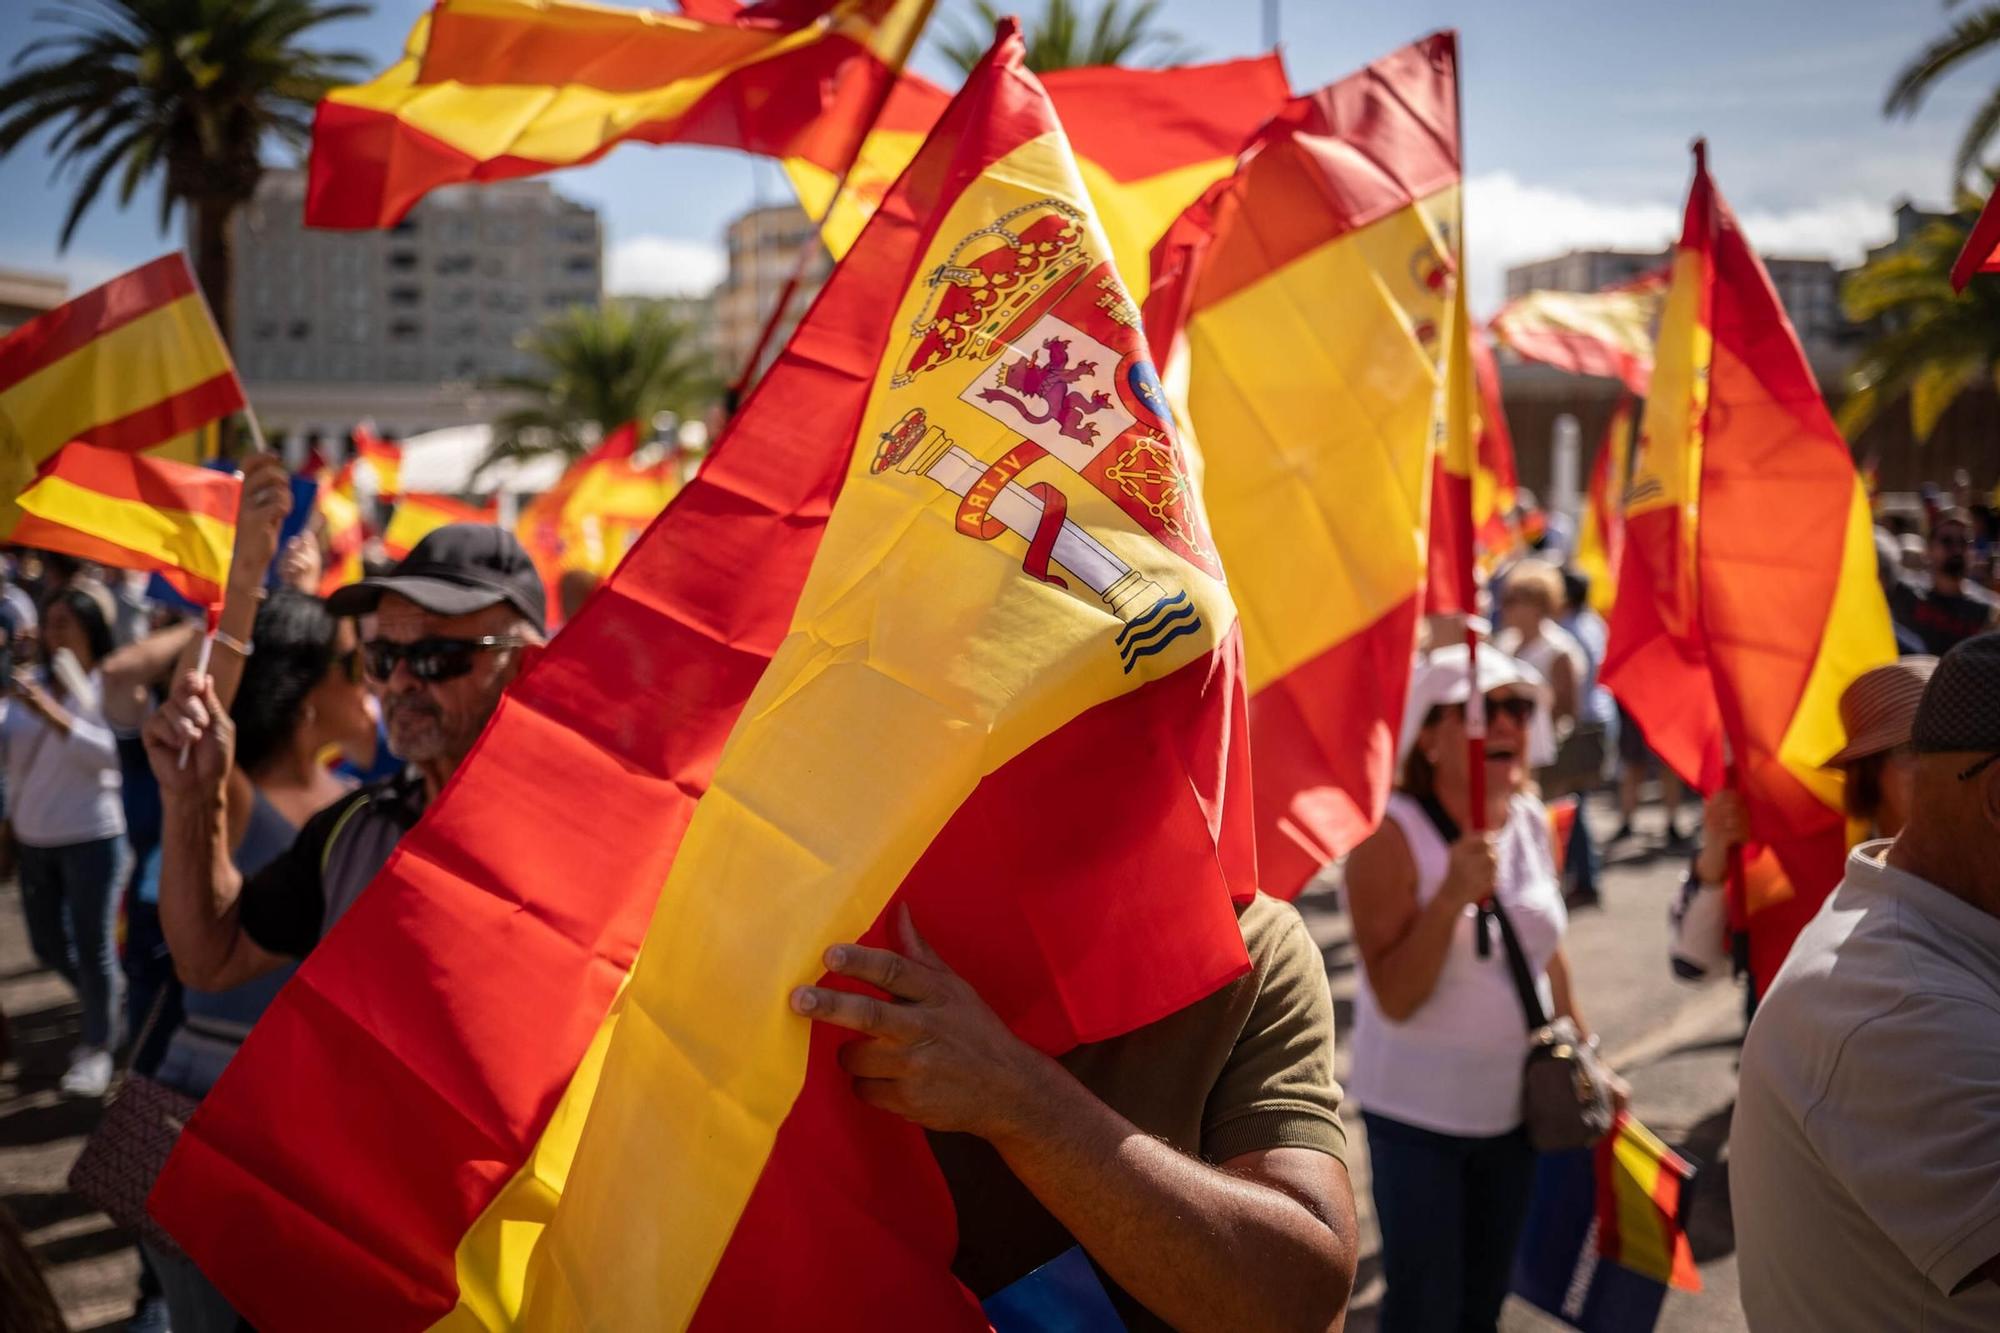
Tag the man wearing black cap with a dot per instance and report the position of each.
(448, 628)
(1865, 1148)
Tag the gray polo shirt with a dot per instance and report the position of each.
(1864, 1159)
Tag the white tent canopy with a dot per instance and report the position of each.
(442, 462)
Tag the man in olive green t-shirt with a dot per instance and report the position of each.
(1196, 1161)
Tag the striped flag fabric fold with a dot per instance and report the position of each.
(1315, 433)
(1473, 476)
(1608, 333)
(134, 364)
(1643, 1190)
(1981, 252)
(498, 89)
(1148, 142)
(129, 511)
(1600, 538)
(1747, 595)
(896, 643)
(384, 459)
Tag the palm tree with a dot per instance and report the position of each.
(1063, 38)
(1934, 342)
(1975, 34)
(182, 90)
(626, 361)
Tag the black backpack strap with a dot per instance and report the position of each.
(1447, 827)
(1517, 966)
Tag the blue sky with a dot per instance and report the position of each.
(1578, 115)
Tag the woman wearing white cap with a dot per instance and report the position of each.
(1440, 1033)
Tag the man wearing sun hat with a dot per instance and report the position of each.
(1865, 1149)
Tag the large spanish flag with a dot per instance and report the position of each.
(909, 636)
(495, 89)
(1148, 142)
(1607, 333)
(1312, 291)
(1747, 597)
(135, 364)
(129, 511)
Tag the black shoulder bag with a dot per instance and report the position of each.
(1565, 1092)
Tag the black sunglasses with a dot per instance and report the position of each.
(1517, 708)
(429, 660)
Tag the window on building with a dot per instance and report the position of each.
(580, 266)
(299, 330)
(403, 261)
(405, 330)
(454, 264)
(407, 227)
(405, 297)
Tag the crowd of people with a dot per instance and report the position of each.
(228, 818)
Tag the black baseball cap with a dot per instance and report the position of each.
(456, 570)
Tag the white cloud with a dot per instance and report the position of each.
(664, 266)
(1509, 222)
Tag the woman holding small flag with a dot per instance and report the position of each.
(1440, 1032)
(63, 801)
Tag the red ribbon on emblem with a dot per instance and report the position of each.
(974, 521)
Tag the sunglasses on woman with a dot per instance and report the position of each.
(429, 660)
(1516, 708)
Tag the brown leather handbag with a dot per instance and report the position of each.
(126, 1152)
(1566, 1100)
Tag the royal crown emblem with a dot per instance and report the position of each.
(992, 280)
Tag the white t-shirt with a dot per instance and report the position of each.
(1454, 1066)
(61, 789)
(1865, 1153)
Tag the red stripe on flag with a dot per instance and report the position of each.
(1324, 735)
(1982, 246)
(38, 533)
(208, 401)
(150, 481)
(47, 339)
(1192, 114)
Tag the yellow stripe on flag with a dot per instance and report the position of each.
(154, 357)
(198, 543)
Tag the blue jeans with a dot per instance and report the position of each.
(69, 896)
(1450, 1210)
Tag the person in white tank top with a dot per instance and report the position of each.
(1439, 1032)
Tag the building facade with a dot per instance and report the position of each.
(764, 246)
(442, 299)
(24, 295)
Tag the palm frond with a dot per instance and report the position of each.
(1974, 33)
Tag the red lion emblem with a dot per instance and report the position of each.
(1050, 380)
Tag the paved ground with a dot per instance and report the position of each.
(1676, 1045)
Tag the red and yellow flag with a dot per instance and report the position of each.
(593, 515)
(129, 511)
(1312, 297)
(1148, 142)
(1607, 333)
(1747, 596)
(1600, 539)
(1642, 1199)
(905, 638)
(1981, 252)
(496, 89)
(135, 364)
(418, 515)
(340, 516)
(383, 457)
(1473, 477)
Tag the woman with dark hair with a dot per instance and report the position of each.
(1440, 1031)
(63, 801)
(301, 698)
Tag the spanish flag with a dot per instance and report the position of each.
(129, 511)
(1607, 333)
(383, 457)
(1600, 539)
(496, 89)
(1643, 1190)
(898, 642)
(1473, 477)
(1308, 300)
(1981, 252)
(593, 515)
(135, 364)
(1747, 596)
(418, 515)
(344, 533)
(1148, 142)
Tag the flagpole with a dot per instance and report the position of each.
(733, 398)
